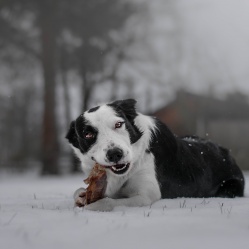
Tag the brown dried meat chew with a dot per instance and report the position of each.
(97, 181)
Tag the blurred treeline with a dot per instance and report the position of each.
(43, 43)
(60, 57)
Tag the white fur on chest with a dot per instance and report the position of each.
(141, 180)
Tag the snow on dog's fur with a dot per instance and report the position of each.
(145, 161)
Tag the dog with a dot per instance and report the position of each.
(145, 161)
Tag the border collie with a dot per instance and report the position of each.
(145, 161)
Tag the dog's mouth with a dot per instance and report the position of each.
(118, 169)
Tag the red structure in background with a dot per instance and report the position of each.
(225, 121)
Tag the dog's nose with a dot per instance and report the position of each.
(114, 155)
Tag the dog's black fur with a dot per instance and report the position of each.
(194, 167)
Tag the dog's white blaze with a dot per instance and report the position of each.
(104, 119)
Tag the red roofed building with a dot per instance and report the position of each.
(224, 121)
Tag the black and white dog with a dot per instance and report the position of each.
(145, 161)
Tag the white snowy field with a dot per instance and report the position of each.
(39, 213)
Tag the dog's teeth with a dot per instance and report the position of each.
(118, 169)
(123, 168)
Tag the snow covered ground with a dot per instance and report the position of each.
(39, 213)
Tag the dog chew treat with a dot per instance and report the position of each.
(97, 181)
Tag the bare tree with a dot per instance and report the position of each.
(50, 145)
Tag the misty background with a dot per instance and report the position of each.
(186, 62)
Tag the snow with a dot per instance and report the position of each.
(39, 213)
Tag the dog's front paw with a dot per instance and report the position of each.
(104, 205)
(80, 197)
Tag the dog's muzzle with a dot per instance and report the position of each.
(115, 155)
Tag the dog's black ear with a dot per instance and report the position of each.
(71, 136)
(127, 106)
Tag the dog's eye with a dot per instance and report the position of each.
(88, 135)
(119, 125)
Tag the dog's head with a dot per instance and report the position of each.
(105, 135)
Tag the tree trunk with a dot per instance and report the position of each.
(74, 168)
(50, 145)
(64, 81)
(86, 90)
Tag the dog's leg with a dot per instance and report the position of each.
(79, 197)
(107, 204)
(141, 190)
